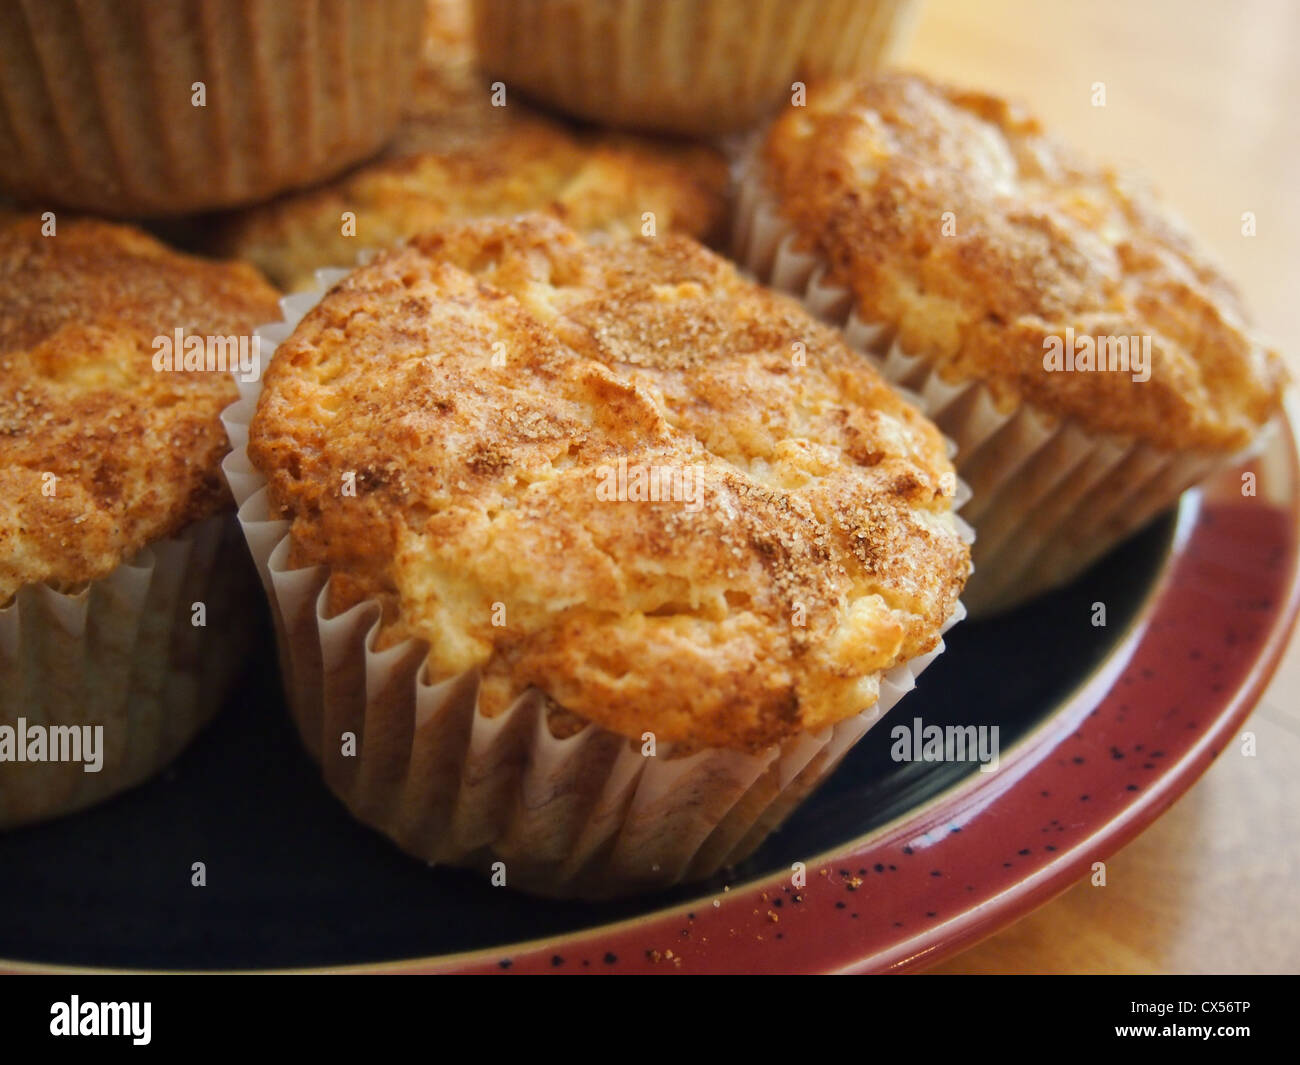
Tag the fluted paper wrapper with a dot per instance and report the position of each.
(1048, 497)
(121, 653)
(582, 816)
(99, 112)
(681, 66)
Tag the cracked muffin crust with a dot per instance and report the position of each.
(454, 431)
(1043, 243)
(135, 453)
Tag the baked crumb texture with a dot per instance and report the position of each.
(458, 157)
(867, 173)
(134, 453)
(478, 386)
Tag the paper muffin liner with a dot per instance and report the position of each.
(586, 815)
(98, 105)
(680, 66)
(1048, 497)
(121, 653)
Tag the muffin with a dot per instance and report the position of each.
(1056, 322)
(122, 575)
(680, 66)
(132, 111)
(591, 559)
(458, 157)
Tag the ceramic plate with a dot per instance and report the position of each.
(891, 865)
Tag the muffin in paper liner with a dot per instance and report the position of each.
(1048, 497)
(455, 156)
(97, 106)
(680, 66)
(122, 654)
(108, 662)
(585, 815)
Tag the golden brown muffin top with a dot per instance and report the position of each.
(458, 157)
(493, 392)
(134, 452)
(1043, 243)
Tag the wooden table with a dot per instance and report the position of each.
(1202, 96)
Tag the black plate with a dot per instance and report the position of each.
(293, 881)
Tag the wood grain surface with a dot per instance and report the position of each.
(1201, 96)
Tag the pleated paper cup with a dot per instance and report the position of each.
(585, 815)
(133, 109)
(680, 66)
(1048, 497)
(123, 658)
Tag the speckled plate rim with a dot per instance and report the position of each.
(935, 848)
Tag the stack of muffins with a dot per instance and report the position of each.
(589, 552)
